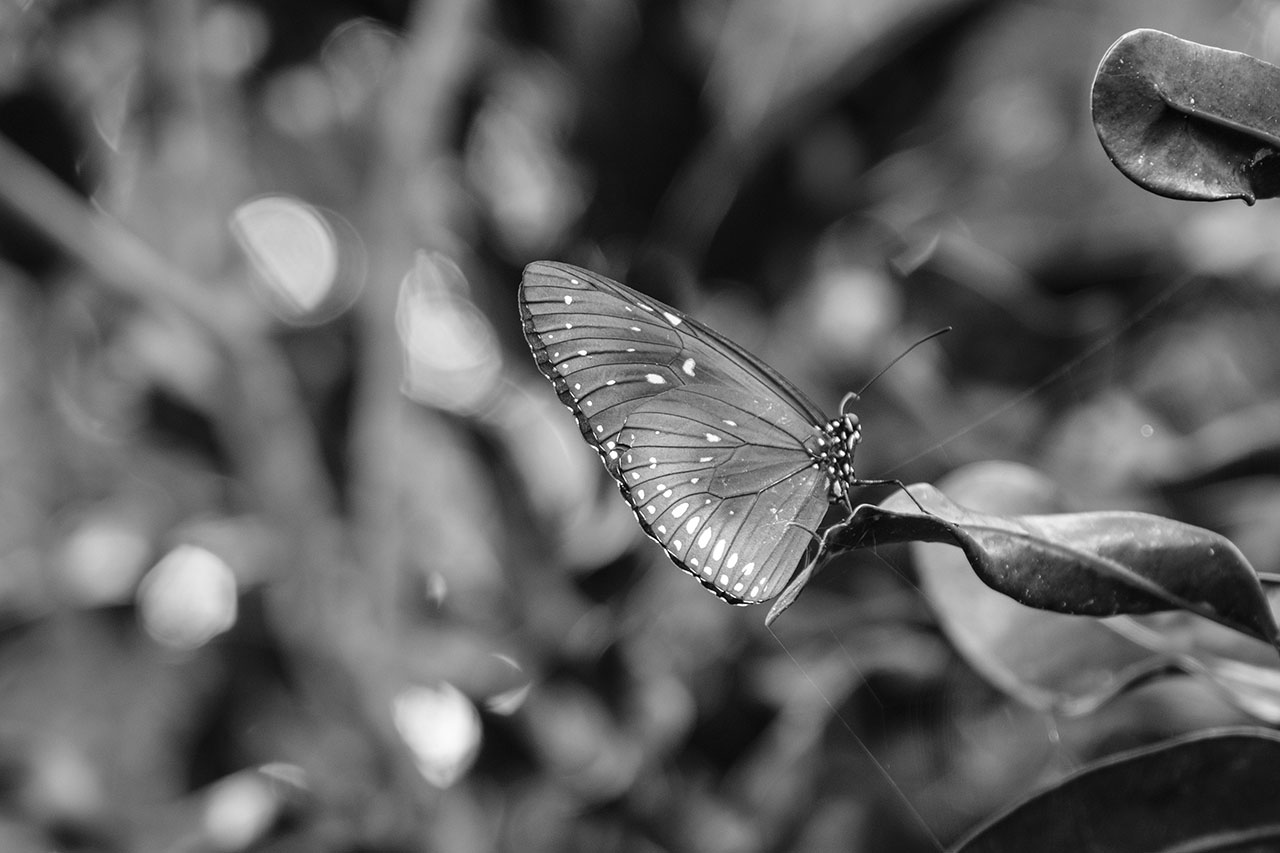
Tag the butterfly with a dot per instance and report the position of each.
(725, 463)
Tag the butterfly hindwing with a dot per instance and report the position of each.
(731, 497)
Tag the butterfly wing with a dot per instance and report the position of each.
(607, 348)
(623, 362)
(732, 498)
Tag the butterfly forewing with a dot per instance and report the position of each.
(606, 347)
(707, 441)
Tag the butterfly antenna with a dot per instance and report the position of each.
(857, 394)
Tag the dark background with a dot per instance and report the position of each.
(299, 552)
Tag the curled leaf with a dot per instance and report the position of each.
(1210, 791)
(1065, 664)
(1048, 661)
(1086, 564)
(1189, 121)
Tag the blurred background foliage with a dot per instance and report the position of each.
(297, 550)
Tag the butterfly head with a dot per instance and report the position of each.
(834, 451)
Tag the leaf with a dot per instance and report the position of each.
(1210, 791)
(1085, 564)
(1065, 664)
(1189, 121)
(1048, 661)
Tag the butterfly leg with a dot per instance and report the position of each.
(890, 482)
(802, 577)
(815, 539)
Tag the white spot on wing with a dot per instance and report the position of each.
(568, 300)
(704, 538)
(718, 551)
(582, 352)
(706, 458)
(737, 587)
(693, 524)
(640, 494)
(730, 423)
(688, 366)
(676, 545)
(748, 569)
(712, 437)
(671, 318)
(680, 509)
(724, 579)
(732, 561)
(654, 379)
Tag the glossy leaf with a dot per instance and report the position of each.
(1064, 664)
(1213, 791)
(1048, 661)
(1085, 564)
(1189, 121)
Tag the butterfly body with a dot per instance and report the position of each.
(726, 464)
